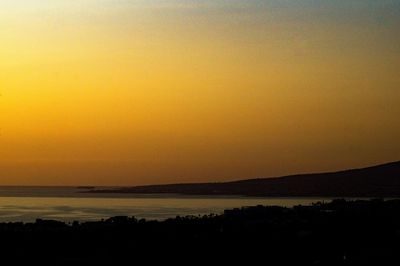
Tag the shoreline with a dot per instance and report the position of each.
(336, 233)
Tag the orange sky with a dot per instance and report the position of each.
(107, 92)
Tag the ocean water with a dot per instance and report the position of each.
(26, 204)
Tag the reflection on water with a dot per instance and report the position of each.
(69, 204)
(70, 209)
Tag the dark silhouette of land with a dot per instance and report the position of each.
(377, 181)
(336, 233)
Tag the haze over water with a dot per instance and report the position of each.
(26, 204)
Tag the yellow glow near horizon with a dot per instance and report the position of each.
(108, 92)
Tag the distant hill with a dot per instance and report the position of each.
(377, 181)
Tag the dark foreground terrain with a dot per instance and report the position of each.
(335, 233)
(376, 181)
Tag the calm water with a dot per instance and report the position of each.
(68, 204)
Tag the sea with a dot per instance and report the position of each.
(68, 204)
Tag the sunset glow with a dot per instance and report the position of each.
(118, 92)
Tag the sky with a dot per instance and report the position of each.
(132, 92)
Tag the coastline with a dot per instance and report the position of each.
(336, 233)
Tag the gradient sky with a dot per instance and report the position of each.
(127, 92)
